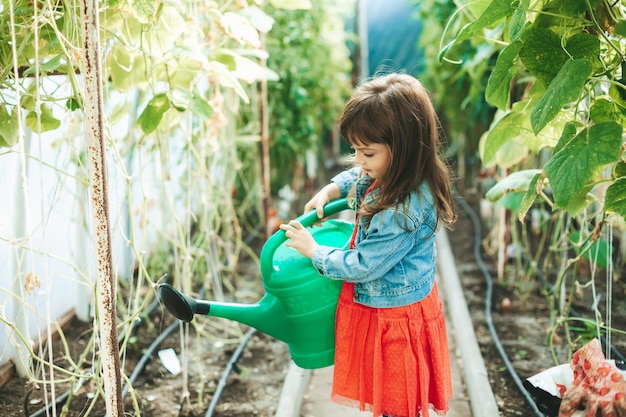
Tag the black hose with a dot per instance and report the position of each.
(148, 354)
(488, 303)
(231, 363)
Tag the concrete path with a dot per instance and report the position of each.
(306, 393)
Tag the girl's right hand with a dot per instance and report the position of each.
(317, 203)
(324, 196)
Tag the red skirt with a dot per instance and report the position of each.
(392, 361)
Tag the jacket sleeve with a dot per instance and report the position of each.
(383, 248)
(346, 179)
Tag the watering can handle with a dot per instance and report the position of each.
(307, 219)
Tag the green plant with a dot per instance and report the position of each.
(313, 64)
(552, 74)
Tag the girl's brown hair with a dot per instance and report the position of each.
(396, 110)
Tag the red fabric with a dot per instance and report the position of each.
(391, 361)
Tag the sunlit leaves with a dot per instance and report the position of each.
(499, 85)
(564, 89)
(534, 189)
(42, 120)
(615, 199)
(570, 169)
(507, 131)
(544, 52)
(46, 67)
(497, 10)
(515, 127)
(145, 10)
(237, 27)
(153, 113)
(8, 127)
(127, 69)
(518, 181)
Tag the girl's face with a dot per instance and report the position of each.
(373, 158)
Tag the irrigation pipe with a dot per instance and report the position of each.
(488, 316)
(229, 367)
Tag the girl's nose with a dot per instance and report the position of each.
(357, 158)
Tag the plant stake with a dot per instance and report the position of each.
(105, 289)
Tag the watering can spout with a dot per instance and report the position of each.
(266, 315)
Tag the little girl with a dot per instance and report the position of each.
(391, 353)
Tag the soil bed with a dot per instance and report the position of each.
(253, 387)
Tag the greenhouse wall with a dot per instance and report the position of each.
(47, 251)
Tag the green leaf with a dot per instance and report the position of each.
(594, 251)
(498, 89)
(574, 164)
(226, 57)
(518, 181)
(569, 131)
(542, 53)
(615, 198)
(43, 120)
(153, 113)
(518, 21)
(259, 19)
(145, 10)
(228, 79)
(505, 130)
(584, 45)
(619, 170)
(602, 110)
(620, 28)
(127, 69)
(511, 201)
(72, 104)
(565, 88)
(200, 107)
(9, 127)
(534, 189)
(47, 67)
(239, 28)
(496, 11)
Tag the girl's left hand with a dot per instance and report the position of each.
(300, 238)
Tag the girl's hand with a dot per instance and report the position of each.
(317, 203)
(300, 238)
(324, 196)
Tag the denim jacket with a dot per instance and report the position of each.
(393, 262)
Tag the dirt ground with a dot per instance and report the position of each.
(253, 386)
(522, 320)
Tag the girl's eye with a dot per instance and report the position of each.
(368, 155)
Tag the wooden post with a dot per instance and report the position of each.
(265, 150)
(105, 289)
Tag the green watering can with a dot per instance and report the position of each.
(299, 304)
